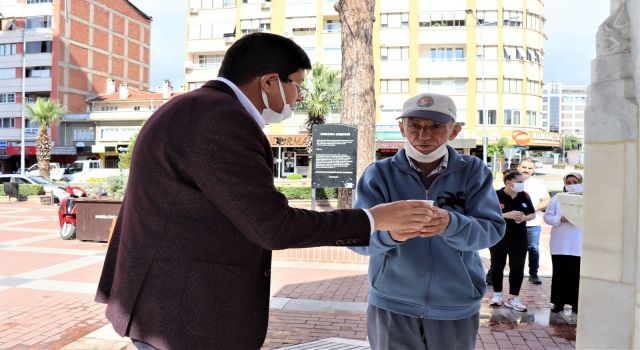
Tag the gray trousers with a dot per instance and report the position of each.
(391, 331)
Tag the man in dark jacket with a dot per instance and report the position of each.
(188, 266)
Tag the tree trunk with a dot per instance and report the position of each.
(43, 152)
(358, 95)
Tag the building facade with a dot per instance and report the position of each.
(112, 120)
(66, 50)
(487, 55)
(563, 109)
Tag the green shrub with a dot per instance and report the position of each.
(117, 185)
(579, 166)
(294, 176)
(298, 192)
(27, 190)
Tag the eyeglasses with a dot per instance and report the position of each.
(299, 88)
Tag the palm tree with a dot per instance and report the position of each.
(44, 112)
(322, 94)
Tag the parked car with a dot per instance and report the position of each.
(55, 171)
(81, 170)
(58, 190)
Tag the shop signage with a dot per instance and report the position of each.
(335, 148)
(536, 138)
(15, 150)
(68, 151)
(288, 140)
(3, 144)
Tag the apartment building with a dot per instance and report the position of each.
(563, 109)
(65, 50)
(487, 55)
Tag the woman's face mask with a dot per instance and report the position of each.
(517, 187)
(574, 188)
(269, 115)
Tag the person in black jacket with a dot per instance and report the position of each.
(517, 209)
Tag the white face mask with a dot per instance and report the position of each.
(412, 152)
(269, 115)
(518, 187)
(575, 188)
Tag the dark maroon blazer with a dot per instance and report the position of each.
(188, 266)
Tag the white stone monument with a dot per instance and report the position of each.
(609, 313)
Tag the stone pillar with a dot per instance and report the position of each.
(609, 310)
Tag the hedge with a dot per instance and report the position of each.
(27, 190)
(298, 192)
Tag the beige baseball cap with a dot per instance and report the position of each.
(435, 107)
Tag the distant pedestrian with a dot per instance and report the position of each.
(566, 248)
(539, 195)
(517, 209)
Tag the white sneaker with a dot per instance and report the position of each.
(515, 304)
(496, 300)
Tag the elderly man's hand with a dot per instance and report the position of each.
(438, 223)
(405, 219)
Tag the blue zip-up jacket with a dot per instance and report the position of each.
(439, 277)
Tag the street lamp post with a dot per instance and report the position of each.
(484, 89)
(24, 78)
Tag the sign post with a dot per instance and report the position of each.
(335, 148)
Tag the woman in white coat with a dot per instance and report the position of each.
(566, 248)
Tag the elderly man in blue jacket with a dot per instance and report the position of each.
(425, 292)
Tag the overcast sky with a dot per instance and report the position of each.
(571, 27)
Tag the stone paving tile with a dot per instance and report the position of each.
(15, 263)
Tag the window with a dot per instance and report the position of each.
(332, 26)
(512, 18)
(8, 24)
(394, 86)
(195, 85)
(394, 53)
(331, 55)
(449, 54)
(490, 85)
(512, 85)
(83, 134)
(39, 1)
(8, 98)
(534, 22)
(511, 117)
(39, 22)
(487, 18)
(487, 52)
(533, 87)
(38, 46)
(256, 25)
(491, 117)
(518, 53)
(443, 86)
(32, 97)
(7, 49)
(7, 123)
(38, 72)
(442, 19)
(7, 73)
(301, 25)
(209, 60)
(394, 20)
(531, 118)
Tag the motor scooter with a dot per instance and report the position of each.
(67, 212)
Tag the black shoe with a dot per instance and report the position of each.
(535, 279)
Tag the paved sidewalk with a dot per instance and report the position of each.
(47, 287)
